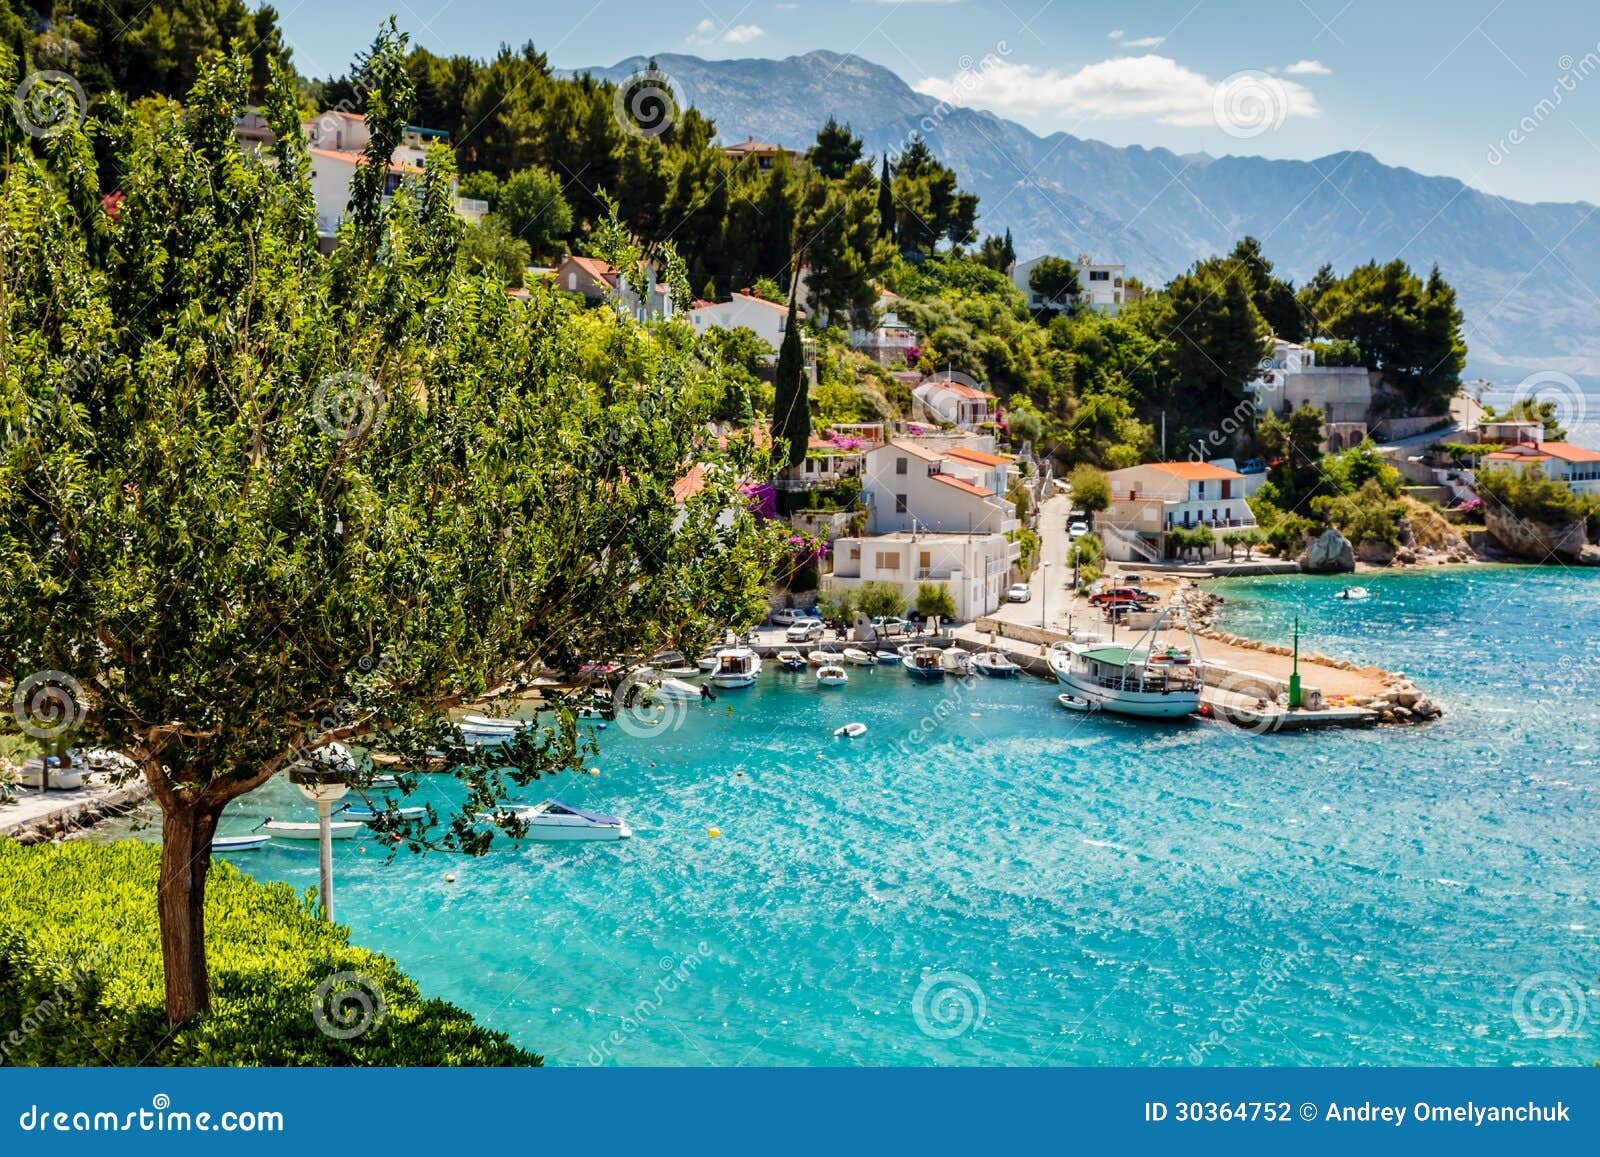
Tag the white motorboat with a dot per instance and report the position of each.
(736, 667)
(859, 657)
(956, 661)
(821, 658)
(831, 675)
(791, 660)
(707, 663)
(554, 821)
(249, 843)
(1077, 703)
(1355, 594)
(295, 830)
(1148, 679)
(889, 656)
(850, 731)
(367, 814)
(676, 690)
(995, 665)
(924, 663)
(488, 723)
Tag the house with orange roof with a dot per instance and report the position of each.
(954, 399)
(764, 155)
(907, 485)
(597, 280)
(1149, 500)
(1576, 467)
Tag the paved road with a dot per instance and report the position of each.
(1052, 601)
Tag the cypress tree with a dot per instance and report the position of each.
(885, 202)
(791, 407)
(1008, 254)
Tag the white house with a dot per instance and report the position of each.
(1100, 286)
(907, 486)
(1291, 379)
(975, 568)
(743, 310)
(1562, 462)
(891, 339)
(598, 281)
(1149, 500)
(941, 398)
(335, 141)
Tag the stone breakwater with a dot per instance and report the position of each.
(1390, 694)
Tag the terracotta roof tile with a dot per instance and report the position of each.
(962, 484)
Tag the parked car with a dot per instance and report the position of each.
(1019, 593)
(1114, 612)
(1253, 466)
(888, 628)
(1078, 529)
(787, 617)
(805, 631)
(1120, 595)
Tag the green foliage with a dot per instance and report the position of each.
(1285, 531)
(1029, 542)
(1533, 496)
(535, 209)
(838, 602)
(1368, 514)
(791, 409)
(1185, 540)
(1055, 280)
(1086, 551)
(1023, 422)
(1216, 339)
(81, 980)
(1548, 414)
(1274, 299)
(490, 249)
(836, 152)
(1248, 540)
(929, 205)
(769, 290)
(1091, 489)
(1337, 352)
(935, 599)
(878, 600)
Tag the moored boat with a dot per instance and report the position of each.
(850, 731)
(995, 665)
(956, 661)
(831, 675)
(248, 843)
(296, 830)
(924, 663)
(554, 821)
(791, 660)
(889, 656)
(736, 667)
(859, 657)
(367, 814)
(1077, 703)
(1147, 679)
(1355, 594)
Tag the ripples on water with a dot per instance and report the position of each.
(985, 878)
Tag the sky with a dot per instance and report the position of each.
(1504, 96)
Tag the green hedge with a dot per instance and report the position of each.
(81, 984)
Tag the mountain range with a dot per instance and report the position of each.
(1521, 270)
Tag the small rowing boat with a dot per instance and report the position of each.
(850, 731)
(239, 843)
(831, 675)
(294, 830)
(1074, 703)
(367, 814)
(791, 660)
(859, 657)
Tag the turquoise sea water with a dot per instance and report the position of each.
(985, 878)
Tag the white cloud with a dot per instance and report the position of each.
(710, 32)
(1154, 88)
(1115, 34)
(1147, 42)
(1308, 68)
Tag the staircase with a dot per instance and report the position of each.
(1131, 543)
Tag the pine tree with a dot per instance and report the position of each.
(791, 407)
(1008, 253)
(885, 202)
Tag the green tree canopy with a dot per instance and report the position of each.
(1055, 279)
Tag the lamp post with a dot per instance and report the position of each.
(1044, 596)
(324, 784)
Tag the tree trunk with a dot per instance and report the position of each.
(186, 831)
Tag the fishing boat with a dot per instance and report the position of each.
(554, 821)
(294, 830)
(831, 675)
(956, 661)
(791, 660)
(995, 665)
(1355, 594)
(850, 731)
(249, 843)
(859, 657)
(367, 814)
(736, 667)
(924, 663)
(1147, 679)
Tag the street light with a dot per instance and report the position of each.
(1044, 595)
(324, 781)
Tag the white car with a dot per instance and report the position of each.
(1078, 529)
(787, 617)
(1019, 593)
(805, 631)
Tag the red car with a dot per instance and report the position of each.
(1114, 596)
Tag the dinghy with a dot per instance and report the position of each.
(821, 658)
(367, 814)
(791, 660)
(859, 657)
(850, 730)
(1074, 703)
(831, 675)
(294, 830)
(239, 843)
(1355, 594)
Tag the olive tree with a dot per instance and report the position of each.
(254, 500)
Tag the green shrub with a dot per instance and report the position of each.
(1370, 514)
(934, 599)
(81, 981)
(1532, 496)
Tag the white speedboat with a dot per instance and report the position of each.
(831, 675)
(367, 814)
(706, 663)
(859, 657)
(294, 830)
(239, 843)
(676, 690)
(1148, 679)
(850, 731)
(791, 660)
(1355, 594)
(924, 663)
(553, 821)
(956, 661)
(490, 723)
(736, 667)
(995, 665)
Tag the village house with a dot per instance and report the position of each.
(943, 399)
(762, 154)
(1290, 380)
(1100, 287)
(891, 339)
(744, 310)
(597, 281)
(1573, 466)
(974, 568)
(1149, 500)
(907, 486)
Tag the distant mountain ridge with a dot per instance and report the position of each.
(1517, 266)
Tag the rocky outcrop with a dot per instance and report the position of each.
(1535, 541)
(1374, 552)
(1328, 553)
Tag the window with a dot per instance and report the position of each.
(899, 503)
(1099, 275)
(1200, 489)
(888, 560)
(899, 465)
(1227, 488)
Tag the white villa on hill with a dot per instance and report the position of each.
(1291, 379)
(743, 311)
(974, 568)
(1561, 462)
(1100, 287)
(943, 399)
(1149, 500)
